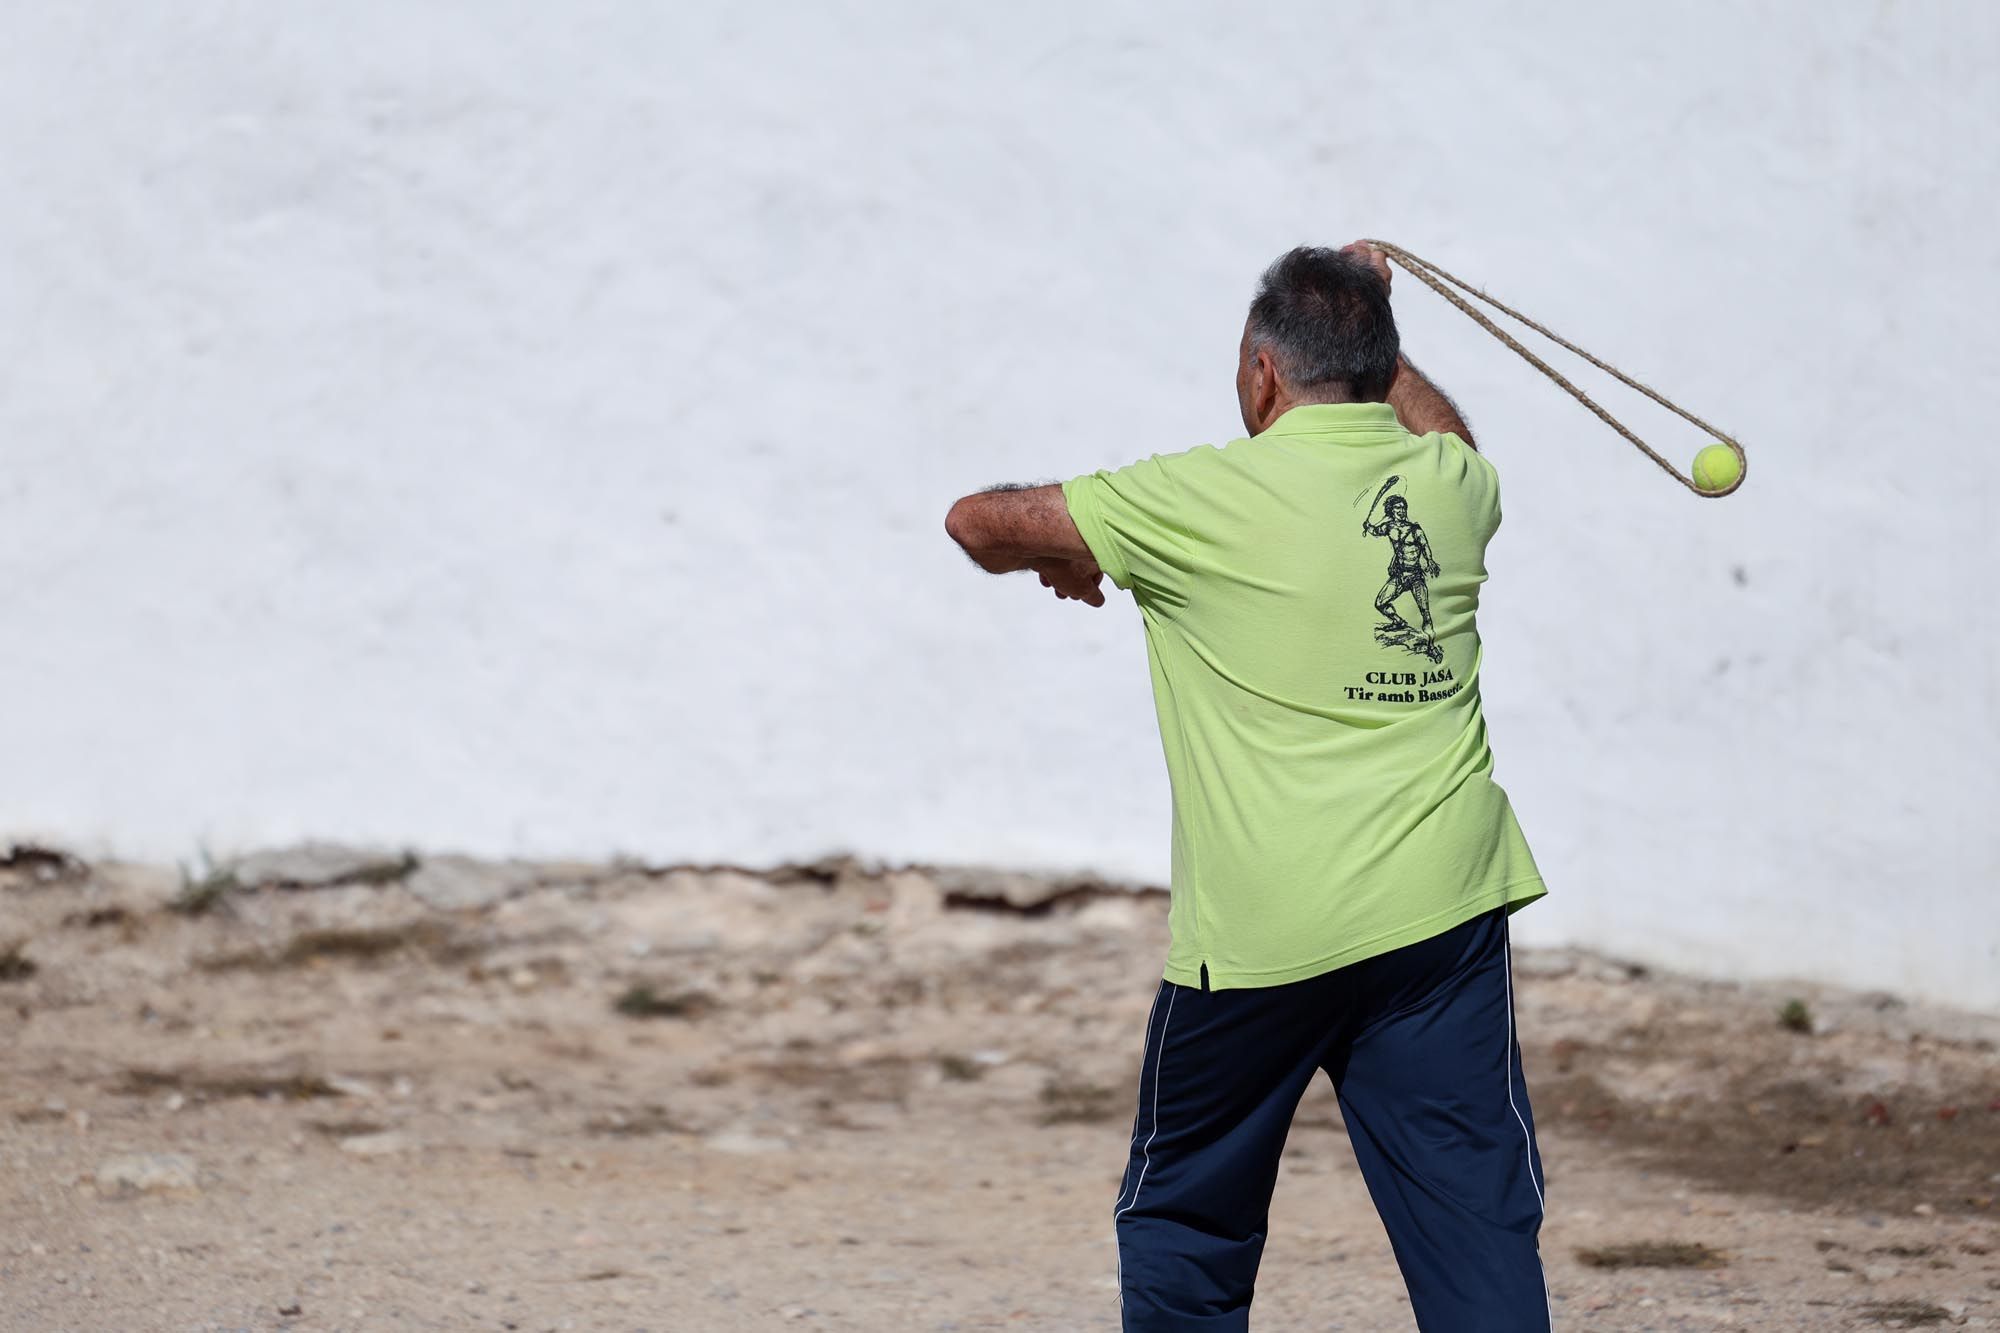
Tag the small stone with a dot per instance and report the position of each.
(386, 1144)
(745, 1144)
(452, 882)
(148, 1173)
(317, 865)
(1924, 1210)
(913, 897)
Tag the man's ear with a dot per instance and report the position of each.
(1263, 385)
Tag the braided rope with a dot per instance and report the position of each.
(1435, 278)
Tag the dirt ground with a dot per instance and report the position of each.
(322, 1091)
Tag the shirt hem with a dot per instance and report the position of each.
(1513, 896)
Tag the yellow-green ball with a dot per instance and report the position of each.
(1717, 468)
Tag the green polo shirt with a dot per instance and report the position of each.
(1309, 598)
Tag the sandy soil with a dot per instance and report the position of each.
(333, 1092)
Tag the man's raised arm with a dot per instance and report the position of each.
(1422, 406)
(1027, 527)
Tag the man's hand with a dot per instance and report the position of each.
(1370, 256)
(1071, 580)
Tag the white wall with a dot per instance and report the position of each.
(524, 428)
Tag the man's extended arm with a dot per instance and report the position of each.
(1422, 406)
(1027, 527)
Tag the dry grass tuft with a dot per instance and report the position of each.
(354, 944)
(220, 1084)
(636, 1124)
(644, 1001)
(1065, 1102)
(14, 965)
(1905, 1313)
(1653, 1254)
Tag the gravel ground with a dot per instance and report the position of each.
(326, 1090)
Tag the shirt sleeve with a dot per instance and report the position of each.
(1138, 522)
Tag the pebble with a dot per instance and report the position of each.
(743, 1143)
(148, 1173)
(385, 1144)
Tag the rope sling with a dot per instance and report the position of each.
(1436, 279)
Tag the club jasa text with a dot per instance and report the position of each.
(1405, 687)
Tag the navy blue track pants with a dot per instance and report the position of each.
(1419, 1043)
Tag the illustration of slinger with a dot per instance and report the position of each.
(1411, 568)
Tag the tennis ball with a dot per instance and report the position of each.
(1717, 468)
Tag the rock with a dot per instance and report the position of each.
(320, 865)
(452, 882)
(913, 897)
(1545, 963)
(148, 1173)
(385, 1144)
(1121, 914)
(864, 1050)
(1023, 893)
(745, 1144)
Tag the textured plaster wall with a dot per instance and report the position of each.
(520, 428)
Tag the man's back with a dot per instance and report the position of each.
(1332, 784)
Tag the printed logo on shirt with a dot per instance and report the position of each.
(1404, 602)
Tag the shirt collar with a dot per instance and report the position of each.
(1341, 419)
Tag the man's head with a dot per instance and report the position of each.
(1320, 331)
(1397, 507)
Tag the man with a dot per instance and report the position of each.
(1343, 863)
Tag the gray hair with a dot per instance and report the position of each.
(1324, 318)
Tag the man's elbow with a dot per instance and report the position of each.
(962, 525)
